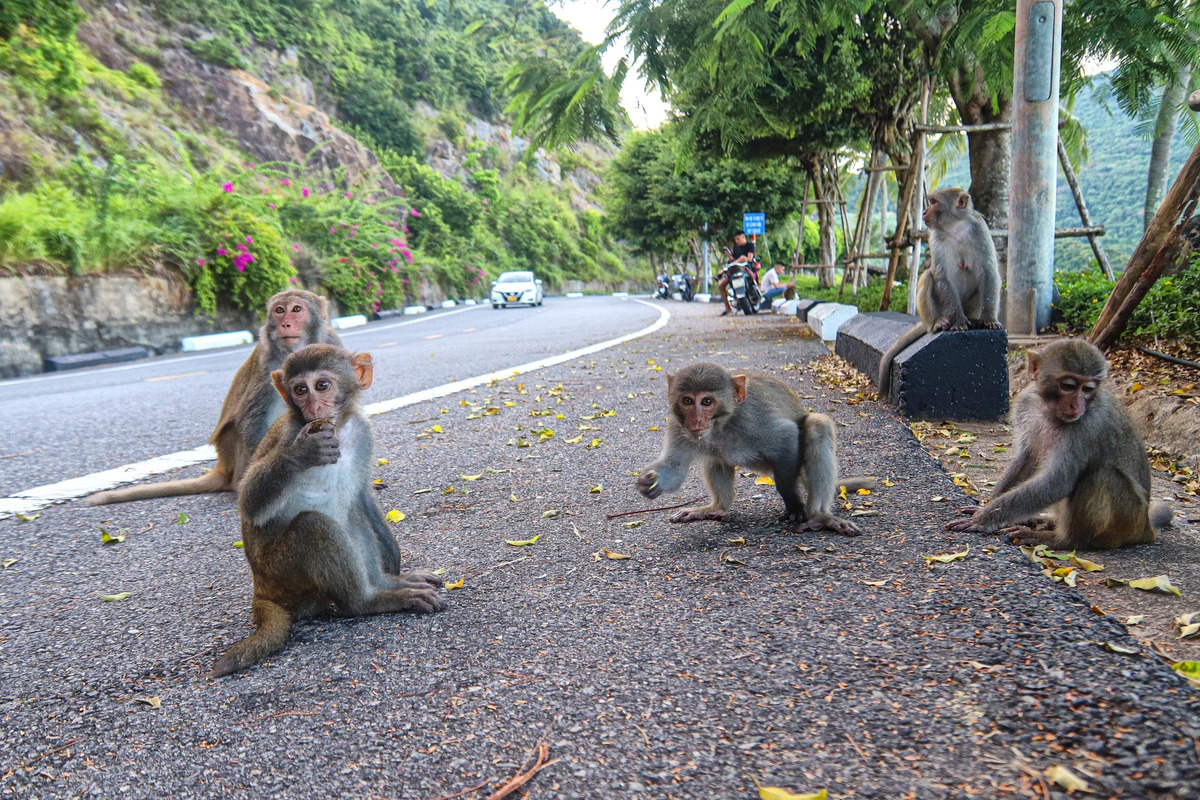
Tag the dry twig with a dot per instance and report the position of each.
(652, 510)
(524, 776)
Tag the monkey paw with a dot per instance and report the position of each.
(424, 601)
(420, 579)
(834, 524)
(1023, 534)
(992, 326)
(969, 526)
(698, 514)
(317, 443)
(647, 484)
(968, 510)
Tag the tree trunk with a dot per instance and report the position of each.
(1160, 150)
(990, 152)
(827, 250)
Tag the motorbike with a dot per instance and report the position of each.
(744, 294)
(683, 284)
(663, 290)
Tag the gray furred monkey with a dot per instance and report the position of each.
(753, 420)
(294, 318)
(311, 529)
(961, 288)
(1075, 451)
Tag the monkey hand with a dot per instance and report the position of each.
(1023, 534)
(698, 514)
(647, 484)
(317, 444)
(831, 523)
(969, 510)
(951, 324)
(990, 326)
(420, 579)
(971, 525)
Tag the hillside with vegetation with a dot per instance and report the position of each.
(361, 148)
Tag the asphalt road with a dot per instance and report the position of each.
(65, 425)
(715, 654)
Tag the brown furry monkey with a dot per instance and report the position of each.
(1075, 449)
(294, 318)
(752, 420)
(961, 288)
(311, 529)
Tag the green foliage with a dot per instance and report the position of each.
(217, 50)
(145, 75)
(37, 45)
(1170, 310)
(240, 234)
(867, 299)
(43, 227)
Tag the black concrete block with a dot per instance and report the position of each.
(960, 375)
(806, 306)
(100, 358)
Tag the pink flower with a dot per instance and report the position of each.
(415, 213)
(221, 251)
(249, 240)
(291, 280)
(286, 182)
(304, 191)
(404, 229)
(271, 206)
(296, 247)
(332, 229)
(228, 187)
(200, 261)
(349, 195)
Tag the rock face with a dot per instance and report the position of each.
(52, 316)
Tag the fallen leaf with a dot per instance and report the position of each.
(108, 538)
(1111, 582)
(765, 481)
(440, 571)
(803, 548)
(1189, 631)
(1137, 387)
(1190, 670)
(775, 793)
(597, 489)
(1122, 649)
(27, 517)
(1187, 619)
(153, 702)
(394, 516)
(886, 482)
(635, 523)
(864, 513)
(458, 584)
(1066, 779)
(946, 558)
(653, 427)
(422, 491)
(512, 498)
(182, 519)
(1136, 619)
(875, 583)
(576, 440)
(239, 544)
(612, 556)
(1085, 565)
(863, 491)
(383, 462)
(522, 542)
(1159, 583)
(115, 598)
(739, 541)
(551, 514)
(470, 477)
(8, 562)
(937, 498)
(733, 561)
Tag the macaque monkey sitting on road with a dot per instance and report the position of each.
(1076, 449)
(752, 420)
(294, 318)
(311, 529)
(961, 288)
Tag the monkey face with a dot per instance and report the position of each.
(1067, 398)
(697, 411)
(315, 394)
(289, 321)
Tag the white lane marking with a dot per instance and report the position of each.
(31, 500)
(228, 351)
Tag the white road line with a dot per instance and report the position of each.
(227, 351)
(30, 500)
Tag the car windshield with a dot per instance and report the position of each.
(516, 277)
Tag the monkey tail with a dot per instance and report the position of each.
(1161, 515)
(215, 480)
(274, 623)
(858, 482)
(884, 382)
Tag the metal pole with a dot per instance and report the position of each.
(704, 248)
(914, 266)
(1034, 165)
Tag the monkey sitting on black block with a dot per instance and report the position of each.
(751, 420)
(311, 529)
(1075, 449)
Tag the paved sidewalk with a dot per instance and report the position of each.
(806, 661)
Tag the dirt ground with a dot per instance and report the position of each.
(1163, 399)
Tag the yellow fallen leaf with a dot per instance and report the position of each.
(27, 517)
(422, 491)
(765, 481)
(653, 427)
(8, 562)
(522, 542)
(842, 492)
(513, 498)
(509, 403)
(576, 440)
(440, 571)
(383, 462)
(394, 516)
(599, 487)
(470, 477)
(635, 523)
(522, 443)
(107, 538)
(775, 793)
(1190, 670)
(1137, 387)
(551, 514)
(1066, 779)
(1121, 648)
(435, 429)
(239, 544)
(378, 481)
(946, 558)
(886, 482)
(458, 584)
(1159, 583)
(1136, 619)
(863, 491)
(1085, 565)
(114, 598)
(739, 541)
(153, 702)
(875, 583)
(609, 554)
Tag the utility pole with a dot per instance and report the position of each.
(1034, 172)
(704, 256)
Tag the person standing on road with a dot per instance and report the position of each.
(742, 253)
(772, 286)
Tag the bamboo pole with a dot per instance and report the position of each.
(1084, 215)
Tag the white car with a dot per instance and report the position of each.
(512, 288)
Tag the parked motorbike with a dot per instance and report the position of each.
(744, 294)
(683, 284)
(663, 290)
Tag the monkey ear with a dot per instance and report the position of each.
(365, 368)
(670, 382)
(277, 379)
(739, 388)
(963, 200)
(1032, 363)
(323, 307)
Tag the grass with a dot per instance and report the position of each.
(867, 299)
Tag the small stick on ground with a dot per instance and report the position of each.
(474, 788)
(652, 510)
(521, 778)
(857, 749)
(40, 756)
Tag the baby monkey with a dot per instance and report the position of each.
(311, 529)
(1076, 449)
(752, 420)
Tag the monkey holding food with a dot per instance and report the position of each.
(961, 288)
(294, 318)
(1075, 449)
(752, 420)
(311, 529)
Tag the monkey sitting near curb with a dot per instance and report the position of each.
(311, 529)
(961, 288)
(294, 318)
(752, 420)
(1076, 449)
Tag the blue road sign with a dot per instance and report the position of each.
(754, 222)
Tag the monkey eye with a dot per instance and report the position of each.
(708, 401)
(1068, 385)
(300, 390)
(322, 385)
(280, 309)
(1090, 388)
(296, 309)
(687, 401)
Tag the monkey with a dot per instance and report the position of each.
(294, 318)
(754, 420)
(1075, 448)
(311, 530)
(961, 288)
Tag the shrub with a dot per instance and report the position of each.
(145, 76)
(1169, 310)
(246, 260)
(217, 50)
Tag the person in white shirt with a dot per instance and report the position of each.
(772, 286)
